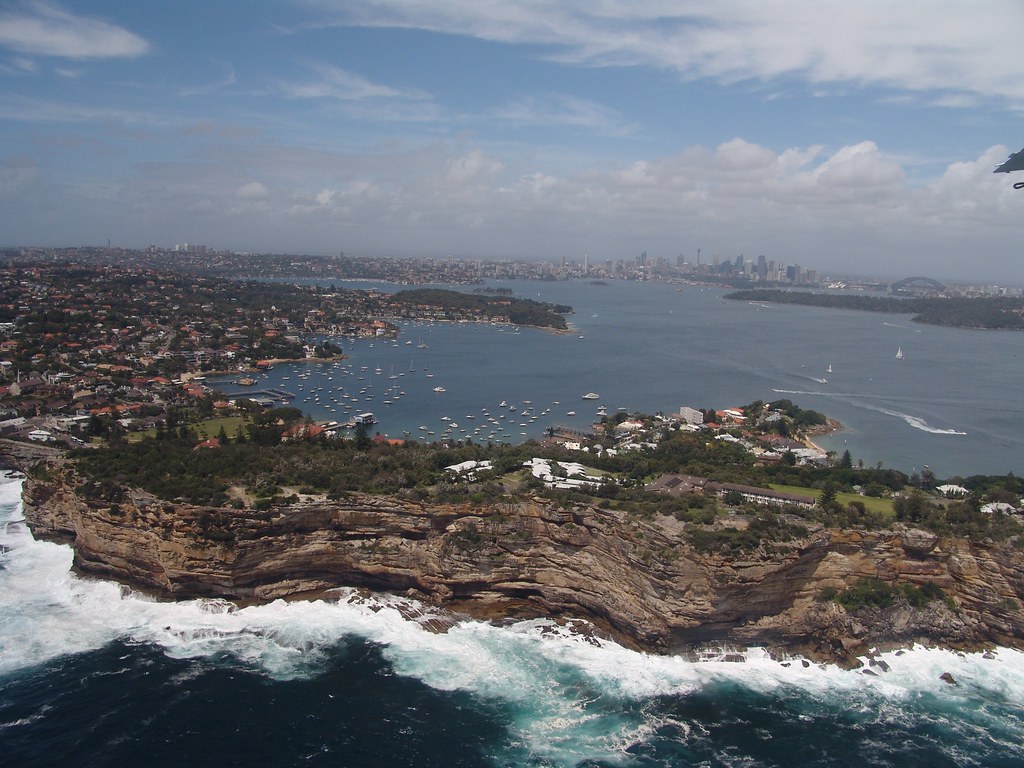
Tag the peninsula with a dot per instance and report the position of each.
(663, 531)
(638, 548)
(997, 313)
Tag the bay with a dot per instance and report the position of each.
(949, 404)
(92, 674)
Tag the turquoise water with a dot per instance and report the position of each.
(949, 404)
(92, 675)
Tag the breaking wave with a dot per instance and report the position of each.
(569, 697)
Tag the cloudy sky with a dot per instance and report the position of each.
(858, 137)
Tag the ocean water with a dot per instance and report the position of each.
(94, 675)
(950, 404)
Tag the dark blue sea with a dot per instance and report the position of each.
(94, 675)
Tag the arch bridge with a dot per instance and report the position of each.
(910, 283)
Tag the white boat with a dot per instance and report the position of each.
(439, 389)
(570, 413)
(591, 396)
(899, 353)
(829, 369)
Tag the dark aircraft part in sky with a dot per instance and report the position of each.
(1014, 162)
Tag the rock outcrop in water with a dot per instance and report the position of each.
(636, 580)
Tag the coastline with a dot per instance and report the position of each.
(547, 569)
(189, 376)
(830, 427)
(382, 669)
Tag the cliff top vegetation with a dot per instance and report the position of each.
(254, 468)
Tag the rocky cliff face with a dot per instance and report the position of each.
(636, 580)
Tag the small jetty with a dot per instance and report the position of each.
(266, 396)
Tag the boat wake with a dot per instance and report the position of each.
(914, 421)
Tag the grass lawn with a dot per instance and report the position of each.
(205, 429)
(870, 503)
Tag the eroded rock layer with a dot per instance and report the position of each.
(634, 579)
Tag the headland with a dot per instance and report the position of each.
(824, 593)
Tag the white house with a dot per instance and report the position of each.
(691, 416)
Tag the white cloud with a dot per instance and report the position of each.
(858, 166)
(471, 166)
(254, 190)
(23, 109)
(562, 110)
(741, 155)
(955, 49)
(849, 209)
(43, 29)
(337, 83)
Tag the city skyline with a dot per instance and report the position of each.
(857, 139)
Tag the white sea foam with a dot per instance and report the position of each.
(564, 689)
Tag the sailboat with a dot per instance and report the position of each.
(899, 353)
(829, 369)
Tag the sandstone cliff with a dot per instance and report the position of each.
(636, 580)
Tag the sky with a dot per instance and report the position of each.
(858, 138)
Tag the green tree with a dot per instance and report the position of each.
(827, 499)
(362, 437)
(910, 508)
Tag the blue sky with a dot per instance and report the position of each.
(855, 137)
